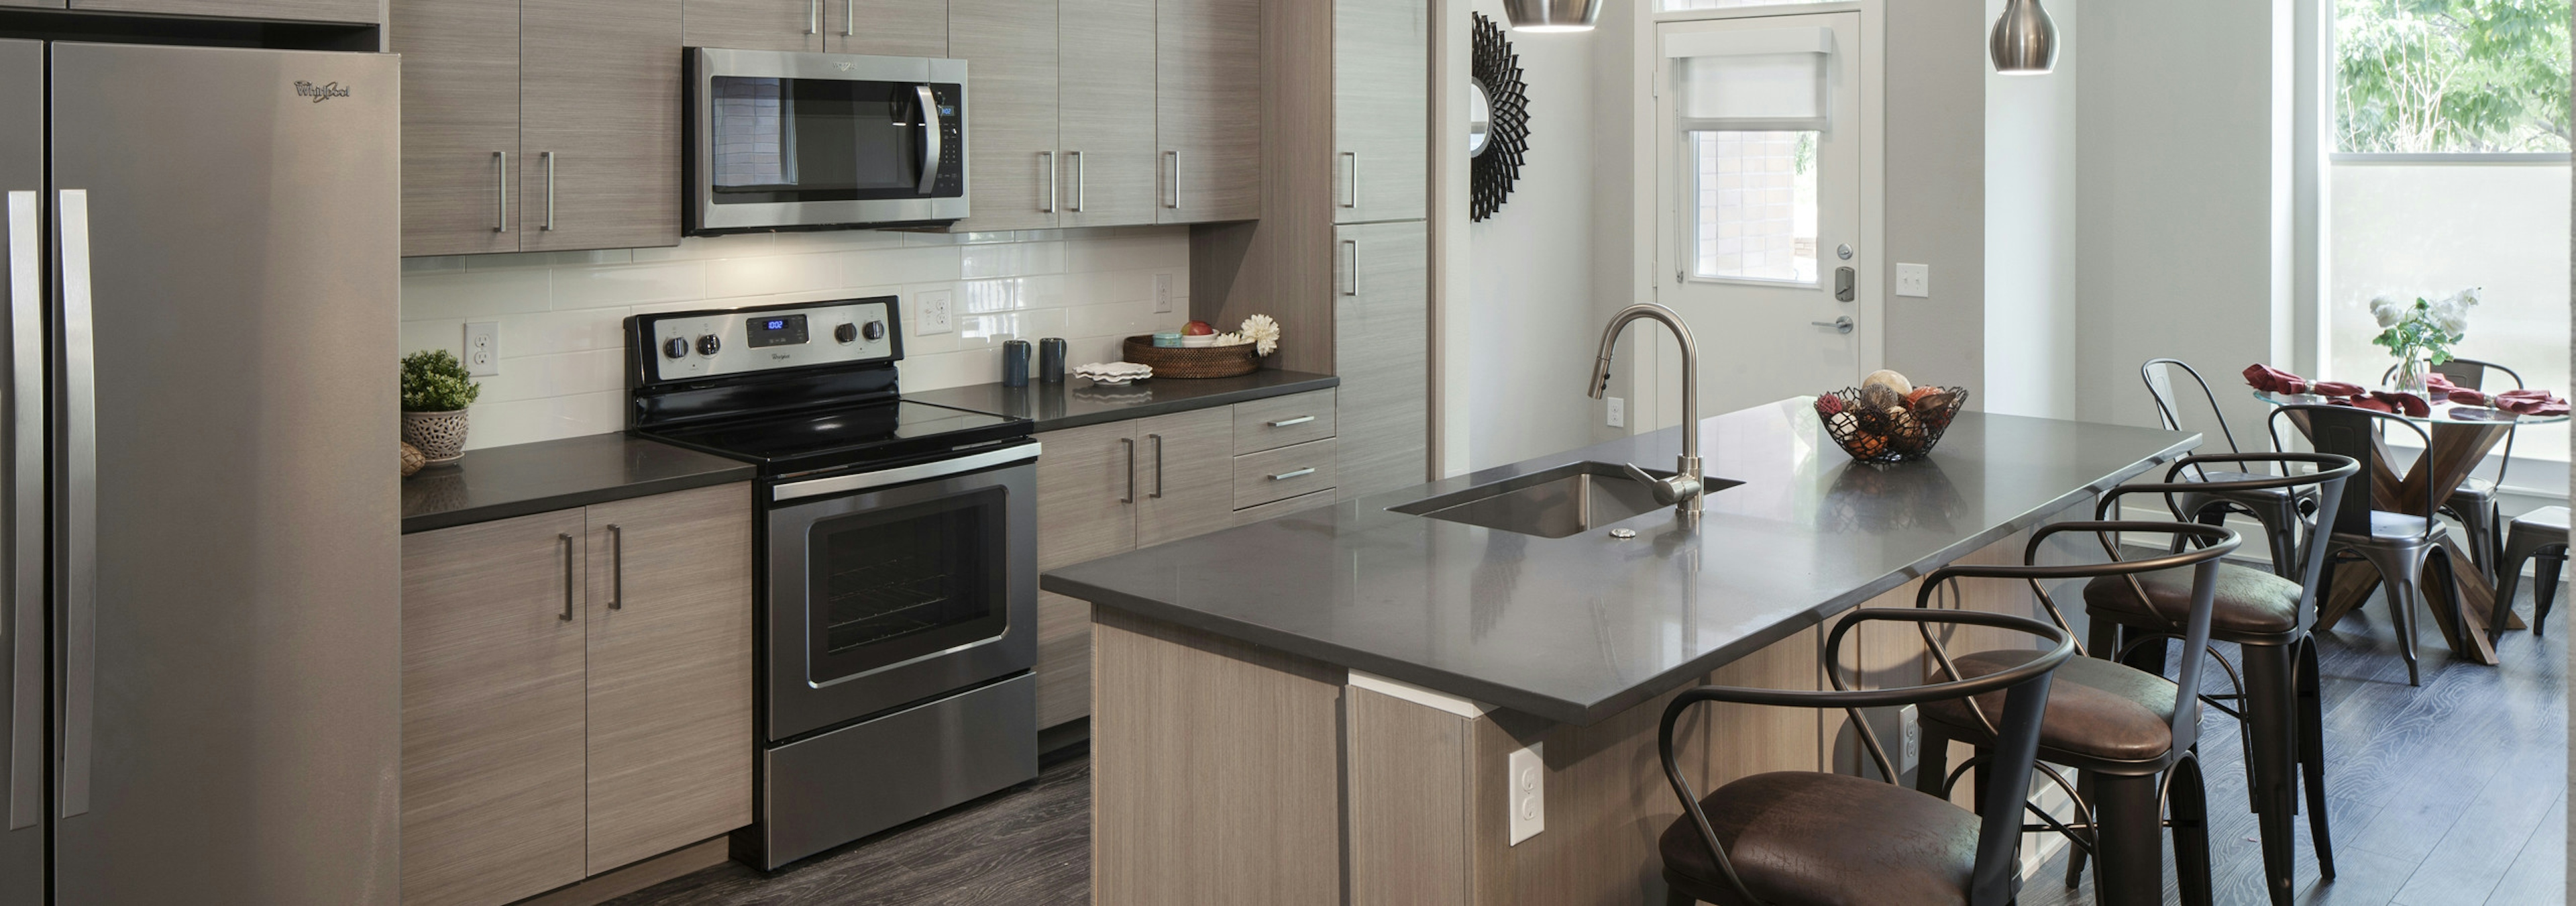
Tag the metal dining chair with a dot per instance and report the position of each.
(2278, 509)
(2473, 503)
(2132, 734)
(1800, 838)
(2539, 536)
(2402, 547)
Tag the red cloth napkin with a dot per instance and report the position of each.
(2273, 380)
(2382, 401)
(2530, 402)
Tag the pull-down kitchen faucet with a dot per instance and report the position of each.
(1683, 490)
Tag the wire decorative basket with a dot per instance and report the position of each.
(1900, 433)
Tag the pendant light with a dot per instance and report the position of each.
(1551, 15)
(2024, 41)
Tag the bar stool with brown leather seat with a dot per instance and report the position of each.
(1799, 838)
(2278, 703)
(2130, 732)
(2278, 510)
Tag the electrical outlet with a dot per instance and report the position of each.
(482, 348)
(1618, 412)
(1914, 280)
(1911, 727)
(934, 312)
(1528, 795)
(1162, 293)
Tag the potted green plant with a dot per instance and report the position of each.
(2420, 335)
(435, 391)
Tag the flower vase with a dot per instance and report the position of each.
(2410, 374)
(440, 436)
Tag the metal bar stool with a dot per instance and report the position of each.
(2401, 546)
(2473, 503)
(2541, 534)
(1799, 838)
(2131, 733)
(2277, 509)
(2278, 703)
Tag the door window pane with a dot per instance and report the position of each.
(1753, 205)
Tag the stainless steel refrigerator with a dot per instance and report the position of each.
(199, 496)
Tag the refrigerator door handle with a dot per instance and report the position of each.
(80, 499)
(26, 504)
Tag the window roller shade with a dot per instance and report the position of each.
(1757, 80)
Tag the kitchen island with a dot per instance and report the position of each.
(1330, 701)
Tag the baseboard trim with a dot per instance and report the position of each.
(601, 888)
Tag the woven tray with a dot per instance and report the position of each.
(1202, 362)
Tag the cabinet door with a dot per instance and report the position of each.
(299, 10)
(670, 672)
(1382, 350)
(1087, 493)
(1064, 659)
(1010, 51)
(1381, 86)
(754, 24)
(1208, 109)
(1186, 473)
(492, 710)
(1107, 112)
(460, 124)
(892, 28)
(46, 4)
(600, 95)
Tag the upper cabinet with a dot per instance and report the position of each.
(896, 28)
(1208, 110)
(364, 11)
(889, 28)
(460, 123)
(1108, 112)
(1381, 89)
(1010, 51)
(752, 24)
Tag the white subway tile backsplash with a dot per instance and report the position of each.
(562, 313)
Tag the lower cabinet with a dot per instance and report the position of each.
(576, 692)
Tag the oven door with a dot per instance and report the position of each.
(804, 139)
(891, 587)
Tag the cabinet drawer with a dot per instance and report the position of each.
(1277, 508)
(1286, 472)
(1282, 420)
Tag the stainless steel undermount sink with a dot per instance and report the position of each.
(1566, 500)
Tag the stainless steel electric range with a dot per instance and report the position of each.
(896, 573)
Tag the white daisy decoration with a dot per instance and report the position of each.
(1264, 333)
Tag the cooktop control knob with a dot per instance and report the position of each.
(707, 345)
(875, 330)
(846, 332)
(676, 348)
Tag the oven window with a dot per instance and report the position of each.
(894, 584)
(790, 140)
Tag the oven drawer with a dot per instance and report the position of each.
(1282, 420)
(837, 787)
(1286, 472)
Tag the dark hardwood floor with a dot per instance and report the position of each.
(2452, 793)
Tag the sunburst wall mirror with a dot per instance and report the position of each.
(1497, 120)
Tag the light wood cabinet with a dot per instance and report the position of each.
(1381, 92)
(493, 704)
(1186, 465)
(1064, 658)
(670, 672)
(576, 697)
(41, 4)
(355, 11)
(1010, 51)
(601, 124)
(1107, 117)
(1208, 110)
(1086, 493)
(1382, 344)
(752, 24)
(460, 123)
(891, 28)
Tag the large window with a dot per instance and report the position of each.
(2451, 76)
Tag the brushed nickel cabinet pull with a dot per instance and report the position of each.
(616, 567)
(849, 17)
(1158, 465)
(1049, 157)
(1285, 422)
(568, 575)
(1295, 473)
(1355, 179)
(549, 158)
(813, 17)
(501, 166)
(1130, 444)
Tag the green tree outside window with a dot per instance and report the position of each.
(2451, 76)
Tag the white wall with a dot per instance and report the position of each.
(563, 352)
(1935, 163)
(2031, 229)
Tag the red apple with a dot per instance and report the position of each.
(1198, 329)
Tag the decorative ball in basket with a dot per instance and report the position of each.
(1208, 354)
(1887, 419)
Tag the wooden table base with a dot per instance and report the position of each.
(2355, 581)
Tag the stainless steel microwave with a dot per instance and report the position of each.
(788, 141)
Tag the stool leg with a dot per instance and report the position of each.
(2130, 864)
(2312, 755)
(2544, 586)
(1934, 766)
(2189, 798)
(2281, 530)
(2270, 712)
(2518, 547)
(2401, 579)
(2075, 855)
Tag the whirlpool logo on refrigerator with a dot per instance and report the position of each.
(320, 93)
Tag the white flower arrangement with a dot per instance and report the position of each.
(1259, 330)
(2427, 327)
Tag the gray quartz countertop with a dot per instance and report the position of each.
(1076, 402)
(520, 479)
(1580, 628)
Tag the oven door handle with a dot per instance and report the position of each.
(839, 483)
(931, 126)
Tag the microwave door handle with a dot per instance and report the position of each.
(930, 147)
(79, 501)
(26, 508)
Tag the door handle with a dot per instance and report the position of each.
(1049, 157)
(1158, 466)
(1176, 179)
(1844, 291)
(1351, 247)
(1294, 473)
(1285, 422)
(548, 157)
(930, 141)
(501, 167)
(813, 17)
(1355, 179)
(26, 627)
(616, 567)
(849, 18)
(80, 499)
(1081, 184)
(1840, 325)
(1130, 444)
(568, 575)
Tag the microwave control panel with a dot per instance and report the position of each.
(690, 345)
(952, 141)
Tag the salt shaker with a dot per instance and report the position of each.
(1015, 363)
(1051, 360)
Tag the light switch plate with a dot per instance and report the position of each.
(1528, 794)
(1914, 280)
(1162, 293)
(1618, 412)
(934, 312)
(482, 348)
(1911, 726)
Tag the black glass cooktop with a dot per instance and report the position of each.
(855, 435)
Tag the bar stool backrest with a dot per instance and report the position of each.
(2331, 475)
(2159, 377)
(2352, 433)
(2472, 374)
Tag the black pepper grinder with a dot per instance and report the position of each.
(1015, 363)
(1051, 360)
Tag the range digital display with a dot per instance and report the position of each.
(776, 330)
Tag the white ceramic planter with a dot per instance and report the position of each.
(440, 436)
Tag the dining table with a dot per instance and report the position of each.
(2461, 436)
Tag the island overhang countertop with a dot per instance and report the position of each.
(1580, 628)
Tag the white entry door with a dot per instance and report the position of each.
(1761, 138)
